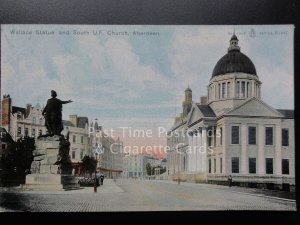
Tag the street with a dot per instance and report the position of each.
(143, 195)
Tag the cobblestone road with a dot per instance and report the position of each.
(142, 195)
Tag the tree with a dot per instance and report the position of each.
(148, 169)
(89, 164)
(23, 154)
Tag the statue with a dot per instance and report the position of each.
(53, 115)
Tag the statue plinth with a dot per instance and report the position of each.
(51, 167)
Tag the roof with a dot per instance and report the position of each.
(234, 37)
(15, 109)
(287, 113)
(82, 121)
(206, 110)
(67, 123)
(234, 61)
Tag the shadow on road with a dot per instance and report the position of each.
(14, 201)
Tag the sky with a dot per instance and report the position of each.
(136, 81)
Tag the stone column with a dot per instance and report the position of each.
(252, 88)
(190, 138)
(244, 154)
(204, 148)
(201, 154)
(260, 153)
(224, 148)
(278, 158)
(197, 151)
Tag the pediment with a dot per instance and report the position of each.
(194, 115)
(254, 108)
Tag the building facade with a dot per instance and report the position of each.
(108, 152)
(76, 130)
(135, 166)
(236, 133)
(20, 122)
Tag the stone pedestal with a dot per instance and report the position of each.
(51, 167)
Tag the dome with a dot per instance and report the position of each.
(234, 61)
(188, 89)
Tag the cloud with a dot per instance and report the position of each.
(110, 79)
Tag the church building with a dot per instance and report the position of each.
(232, 131)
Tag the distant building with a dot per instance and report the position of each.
(233, 132)
(77, 131)
(20, 122)
(108, 151)
(135, 165)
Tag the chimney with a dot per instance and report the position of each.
(6, 110)
(28, 109)
(73, 119)
(203, 100)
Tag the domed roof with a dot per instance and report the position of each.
(188, 89)
(234, 61)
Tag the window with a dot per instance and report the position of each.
(81, 140)
(269, 136)
(269, 166)
(248, 91)
(209, 166)
(221, 135)
(243, 88)
(215, 165)
(215, 135)
(252, 135)
(237, 89)
(285, 137)
(33, 132)
(40, 132)
(285, 166)
(219, 90)
(73, 154)
(252, 165)
(19, 115)
(33, 120)
(81, 154)
(3, 146)
(221, 165)
(19, 130)
(74, 138)
(223, 90)
(235, 135)
(228, 90)
(235, 165)
(41, 121)
(210, 134)
(26, 131)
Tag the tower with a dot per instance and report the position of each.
(6, 111)
(187, 103)
(234, 79)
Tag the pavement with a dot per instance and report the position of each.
(144, 195)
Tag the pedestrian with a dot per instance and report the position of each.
(229, 180)
(101, 179)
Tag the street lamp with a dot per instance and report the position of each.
(98, 150)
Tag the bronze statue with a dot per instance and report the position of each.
(53, 115)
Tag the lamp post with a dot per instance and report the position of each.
(97, 152)
(95, 179)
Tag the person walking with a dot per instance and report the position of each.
(229, 180)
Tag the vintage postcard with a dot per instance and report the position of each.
(147, 118)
